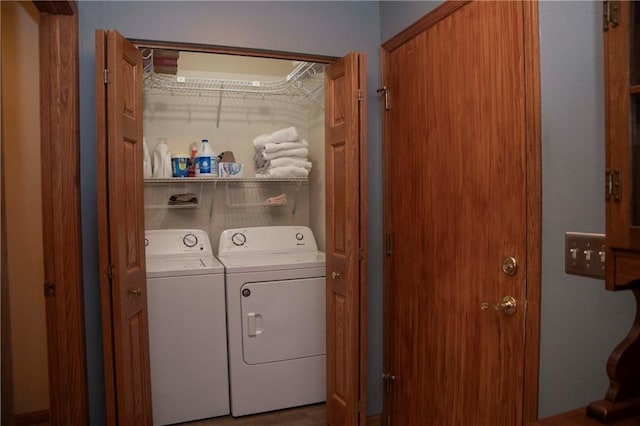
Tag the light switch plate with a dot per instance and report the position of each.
(584, 254)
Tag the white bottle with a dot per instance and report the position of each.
(162, 160)
(146, 162)
(205, 161)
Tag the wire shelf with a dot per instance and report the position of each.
(303, 85)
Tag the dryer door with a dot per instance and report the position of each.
(283, 320)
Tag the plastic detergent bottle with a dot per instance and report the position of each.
(205, 161)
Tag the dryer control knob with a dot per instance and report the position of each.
(238, 239)
(299, 236)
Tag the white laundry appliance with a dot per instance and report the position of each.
(187, 327)
(275, 280)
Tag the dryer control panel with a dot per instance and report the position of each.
(266, 239)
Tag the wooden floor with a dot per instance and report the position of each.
(310, 415)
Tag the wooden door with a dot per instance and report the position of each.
(345, 156)
(455, 210)
(121, 229)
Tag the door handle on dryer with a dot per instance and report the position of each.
(253, 328)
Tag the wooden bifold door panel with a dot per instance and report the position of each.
(345, 125)
(121, 216)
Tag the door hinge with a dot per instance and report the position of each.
(110, 271)
(106, 76)
(388, 244)
(49, 289)
(359, 95)
(613, 184)
(360, 254)
(611, 14)
(387, 102)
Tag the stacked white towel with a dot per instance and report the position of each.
(281, 154)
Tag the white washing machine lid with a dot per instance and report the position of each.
(273, 262)
(179, 252)
(174, 267)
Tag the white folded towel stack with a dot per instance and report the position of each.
(281, 154)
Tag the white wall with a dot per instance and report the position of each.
(21, 171)
(316, 177)
(232, 121)
(229, 124)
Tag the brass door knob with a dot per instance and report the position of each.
(135, 291)
(336, 275)
(508, 306)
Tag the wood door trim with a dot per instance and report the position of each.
(363, 241)
(33, 418)
(57, 7)
(6, 370)
(387, 305)
(228, 50)
(62, 237)
(422, 24)
(533, 194)
(534, 210)
(103, 233)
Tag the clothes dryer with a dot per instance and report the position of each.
(275, 281)
(187, 327)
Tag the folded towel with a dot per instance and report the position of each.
(261, 141)
(289, 161)
(284, 135)
(287, 171)
(296, 152)
(273, 147)
(289, 134)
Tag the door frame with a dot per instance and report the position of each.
(533, 194)
(61, 212)
(105, 290)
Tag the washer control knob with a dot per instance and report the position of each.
(190, 240)
(238, 239)
(299, 236)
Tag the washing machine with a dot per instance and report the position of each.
(275, 281)
(187, 327)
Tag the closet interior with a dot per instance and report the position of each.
(231, 100)
(234, 147)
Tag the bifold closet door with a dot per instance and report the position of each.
(121, 229)
(346, 215)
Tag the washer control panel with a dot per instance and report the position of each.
(171, 242)
(266, 239)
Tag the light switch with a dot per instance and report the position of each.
(574, 253)
(584, 254)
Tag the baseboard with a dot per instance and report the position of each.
(375, 420)
(32, 418)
